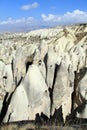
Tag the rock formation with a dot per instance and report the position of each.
(43, 71)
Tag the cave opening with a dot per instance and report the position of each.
(27, 65)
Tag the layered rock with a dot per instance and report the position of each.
(46, 70)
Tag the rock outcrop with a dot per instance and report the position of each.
(44, 71)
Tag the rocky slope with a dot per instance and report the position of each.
(45, 72)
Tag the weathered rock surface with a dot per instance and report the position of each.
(2, 92)
(19, 68)
(43, 71)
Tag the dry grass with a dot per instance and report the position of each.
(31, 126)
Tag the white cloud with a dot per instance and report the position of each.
(50, 17)
(24, 20)
(77, 16)
(30, 6)
(8, 21)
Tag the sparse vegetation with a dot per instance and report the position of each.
(1, 60)
(33, 127)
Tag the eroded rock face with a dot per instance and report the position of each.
(2, 67)
(51, 61)
(19, 68)
(37, 92)
(29, 98)
(82, 89)
(2, 92)
(45, 72)
(8, 79)
(18, 107)
(62, 91)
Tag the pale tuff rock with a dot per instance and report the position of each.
(2, 67)
(19, 68)
(62, 90)
(2, 92)
(18, 108)
(45, 33)
(37, 92)
(42, 68)
(82, 88)
(8, 78)
(78, 56)
(51, 61)
(32, 97)
(40, 52)
(42, 71)
(30, 49)
(43, 49)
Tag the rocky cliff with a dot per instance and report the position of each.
(44, 72)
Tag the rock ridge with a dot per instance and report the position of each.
(44, 71)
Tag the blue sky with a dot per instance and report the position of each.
(22, 13)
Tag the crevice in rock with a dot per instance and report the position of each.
(12, 67)
(51, 100)
(51, 89)
(75, 87)
(55, 75)
(45, 61)
(76, 94)
(5, 106)
(29, 61)
(27, 65)
(9, 117)
(19, 82)
(81, 107)
(82, 73)
(71, 118)
(15, 81)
